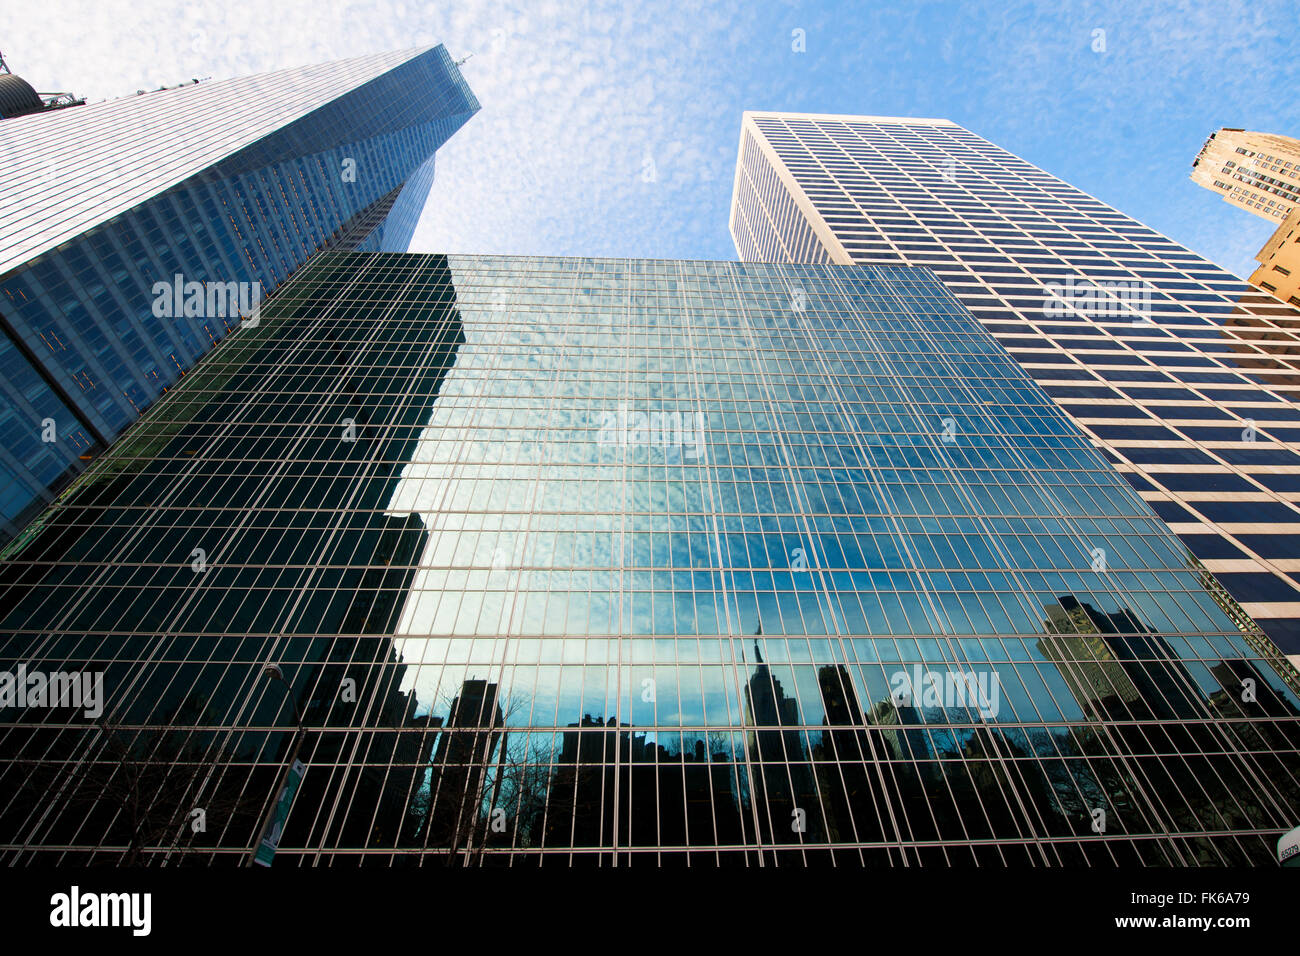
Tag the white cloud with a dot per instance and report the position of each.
(576, 95)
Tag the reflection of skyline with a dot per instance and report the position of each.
(578, 736)
(892, 773)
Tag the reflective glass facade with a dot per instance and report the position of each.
(234, 182)
(1183, 375)
(609, 560)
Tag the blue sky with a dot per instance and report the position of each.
(577, 97)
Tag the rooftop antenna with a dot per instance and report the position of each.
(40, 101)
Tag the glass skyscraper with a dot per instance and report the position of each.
(1183, 376)
(540, 560)
(229, 186)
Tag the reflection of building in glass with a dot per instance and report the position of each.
(530, 618)
(282, 422)
(786, 794)
(1111, 664)
(1184, 376)
(216, 186)
(462, 759)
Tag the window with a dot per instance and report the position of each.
(1211, 546)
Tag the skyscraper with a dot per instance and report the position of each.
(223, 188)
(625, 561)
(1257, 172)
(1185, 377)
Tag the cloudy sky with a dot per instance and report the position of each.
(580, 97)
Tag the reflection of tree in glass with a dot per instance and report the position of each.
(151, 786)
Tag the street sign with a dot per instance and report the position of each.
(275, 825)
(1288, 848)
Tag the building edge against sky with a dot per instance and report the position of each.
(226, 186)
(1183, 375)
(740, 563)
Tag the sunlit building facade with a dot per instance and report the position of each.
(227, 186)
(583, 561)
(1279, 262)
(1186, 378)
(1255, 171)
